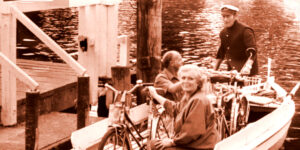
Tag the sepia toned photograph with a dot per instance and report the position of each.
(149, 74)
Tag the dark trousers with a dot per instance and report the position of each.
(102, 109)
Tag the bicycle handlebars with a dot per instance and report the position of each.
(138, 84)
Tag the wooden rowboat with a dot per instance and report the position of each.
(269, 132)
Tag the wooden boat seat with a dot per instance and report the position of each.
(259, 99)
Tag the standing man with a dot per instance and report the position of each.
(238, 44)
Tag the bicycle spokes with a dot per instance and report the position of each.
(116, 141)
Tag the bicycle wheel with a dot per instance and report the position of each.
(114, 139)
(243, 113)
(159, 127)
(233, 116)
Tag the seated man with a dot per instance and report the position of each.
(167, 81)
(167, 78)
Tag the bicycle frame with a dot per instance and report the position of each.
(222, 99)
(221, 123)
(124, 128)
(125, 124)
(127, 130)
(122, 123)
(154, 118)
(239, 109)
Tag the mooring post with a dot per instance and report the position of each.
(31, 125)
(83, 98)
(149, 37)
(121, 78)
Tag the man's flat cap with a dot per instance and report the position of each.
(229, 7)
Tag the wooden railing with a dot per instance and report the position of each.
(32, 101)
(48, 41)
(23, 76)
(102, 41)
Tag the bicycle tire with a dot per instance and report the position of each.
(233, 116)
(243, 113)
(113, 139)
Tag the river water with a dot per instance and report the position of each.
(192, 27)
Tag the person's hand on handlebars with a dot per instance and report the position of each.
(246, 70)
(152, 91)
(247, 67)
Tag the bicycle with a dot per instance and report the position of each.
(122, 131)
(157, 119)
(231, 107)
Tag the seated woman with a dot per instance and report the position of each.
(195, 126)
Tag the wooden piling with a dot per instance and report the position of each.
(149, 37)
(121, 79)
(83, 101)
(31, 125)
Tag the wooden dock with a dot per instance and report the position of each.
(54, 128)
(49, 75)
(57, 86)
(58, 89)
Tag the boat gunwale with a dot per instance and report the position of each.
(267, 134)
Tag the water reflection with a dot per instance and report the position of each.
(276, 24)
(178, 21)
(193, 29)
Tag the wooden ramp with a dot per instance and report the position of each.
(48, 74)
(57, 82)
(54, 128)
(58, 87)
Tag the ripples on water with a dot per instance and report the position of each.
(276, 24)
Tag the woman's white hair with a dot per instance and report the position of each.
(195, 71)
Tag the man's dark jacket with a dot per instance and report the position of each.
(236, 44)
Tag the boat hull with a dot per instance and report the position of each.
(276, 141)
(268, 132)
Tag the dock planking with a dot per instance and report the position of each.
(57, 86)
(54, 128)
(49, 75)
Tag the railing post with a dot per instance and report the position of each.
(31, 126)
(83, 101)
(8, 31)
